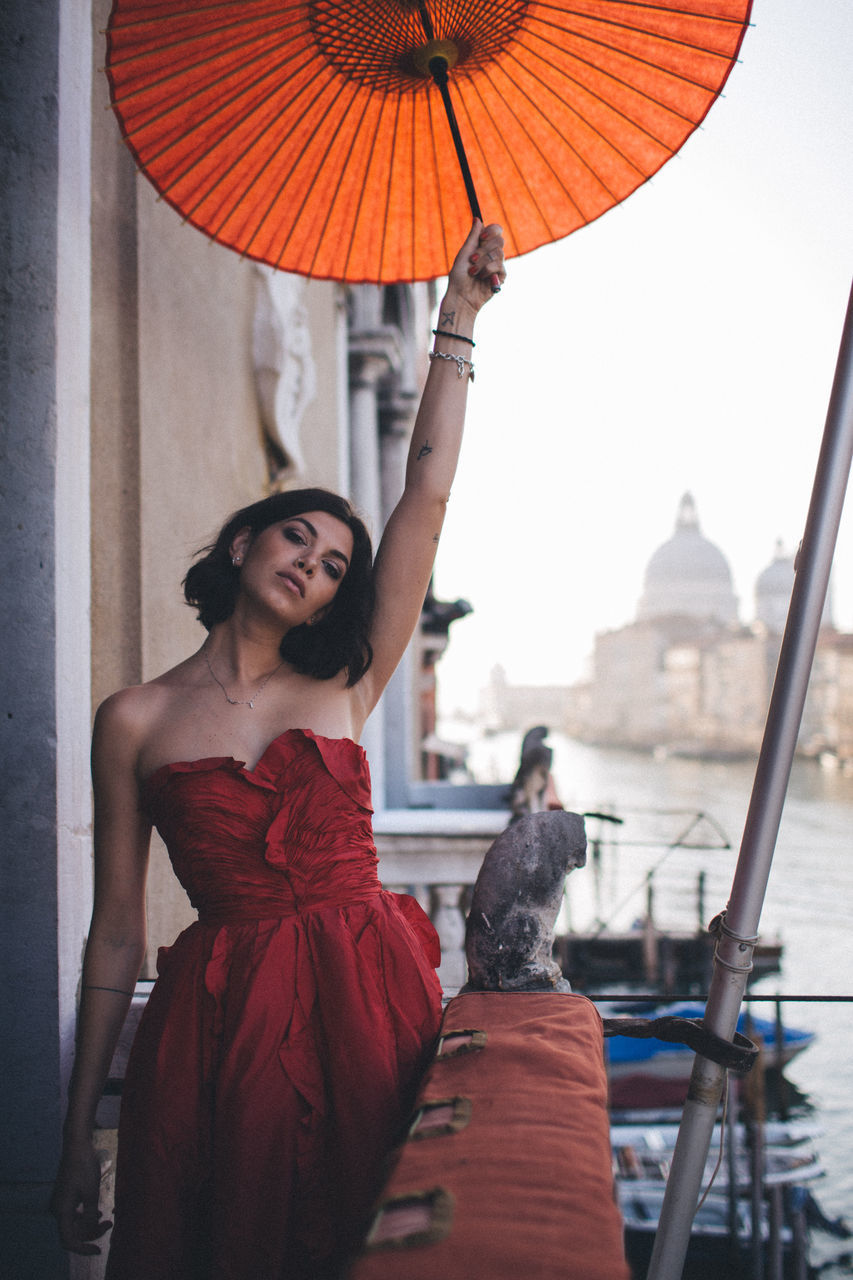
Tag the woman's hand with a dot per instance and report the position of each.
(478, 270)
(74, 1202)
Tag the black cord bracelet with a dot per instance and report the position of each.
(445, 333)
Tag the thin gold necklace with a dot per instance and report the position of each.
(240, 702)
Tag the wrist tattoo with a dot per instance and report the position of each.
(448, 317)
(425, 448)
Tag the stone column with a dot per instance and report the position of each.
(374, 351)
(398, 406)
(45, 64)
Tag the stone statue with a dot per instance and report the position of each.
(510, 933)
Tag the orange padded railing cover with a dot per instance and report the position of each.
(521, 1186)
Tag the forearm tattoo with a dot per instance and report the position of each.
(425, 449)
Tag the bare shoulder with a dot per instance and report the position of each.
(126, 721)
(129, 712)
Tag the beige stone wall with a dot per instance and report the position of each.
(177, 435)
(201, 447)
(202, 451)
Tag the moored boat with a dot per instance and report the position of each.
(655, 1073)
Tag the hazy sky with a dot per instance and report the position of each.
(686, 340)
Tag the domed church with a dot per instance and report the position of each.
(686, 676)
(688, 576)
(773, 589)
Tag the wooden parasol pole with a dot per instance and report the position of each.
(739, 932)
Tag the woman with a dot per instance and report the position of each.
(282, 1041)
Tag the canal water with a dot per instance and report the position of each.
(808, 906)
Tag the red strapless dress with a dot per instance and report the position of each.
(283, 1040)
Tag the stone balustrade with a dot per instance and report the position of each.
(435, 854)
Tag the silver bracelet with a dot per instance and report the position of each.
(459, 361)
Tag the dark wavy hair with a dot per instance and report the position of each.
(339, 642)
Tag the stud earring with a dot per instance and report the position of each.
(236, 560)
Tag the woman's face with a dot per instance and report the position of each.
(296, 565)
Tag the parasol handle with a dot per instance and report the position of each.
(438, 71)
(438, 66)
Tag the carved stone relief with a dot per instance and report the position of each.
(285, 371)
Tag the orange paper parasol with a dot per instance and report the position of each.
(311, 134)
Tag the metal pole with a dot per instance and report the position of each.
(733, 955)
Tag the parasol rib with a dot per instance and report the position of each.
(437, 170)
(649, 32)
(278, 25)
(635, 125)
(500, 213)
(320, 168)
(499, 145)
(631, 58)
(362, 189)
(319, 171)
(169, 13)
(536, 107)
(240, 156)
(222, 106)
(543, 157)
(413, 163)
(394, 136)
(263, 168)
(519, 172)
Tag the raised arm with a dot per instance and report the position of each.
(406, 553)
(114, 953)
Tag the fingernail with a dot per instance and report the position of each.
(475, 257)
(472, 271)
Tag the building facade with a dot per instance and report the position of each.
(152, 382)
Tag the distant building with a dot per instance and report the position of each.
(687, 675)
(507, 706)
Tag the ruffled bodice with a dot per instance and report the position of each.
(292, 834)
(283, 1040)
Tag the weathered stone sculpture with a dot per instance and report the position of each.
(510, 934)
